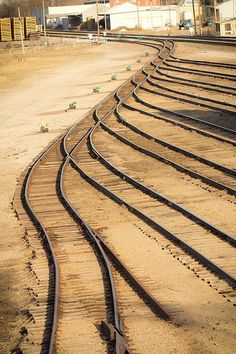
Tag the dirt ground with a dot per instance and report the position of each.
(38, 90)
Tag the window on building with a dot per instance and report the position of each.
(228, 27)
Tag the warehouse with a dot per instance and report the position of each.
(126, 14)
(71, 17)
(146, 16)
(226, 15)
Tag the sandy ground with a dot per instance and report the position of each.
(40, 90)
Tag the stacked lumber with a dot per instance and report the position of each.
(16, 28)
(5, 29)
(30, 25)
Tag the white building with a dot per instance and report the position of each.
(145, 17)
(226, 15)
(70, 16)
(227, 10)
(124, 15)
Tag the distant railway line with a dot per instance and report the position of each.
(126, 155)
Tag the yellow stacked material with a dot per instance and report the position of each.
(30, 25)
(16, 28)
(5, 29)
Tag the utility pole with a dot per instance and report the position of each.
(194, 18)
(234, 29)
(200, 16)
(138, 21)
(215, 10)
(98, 29)
(105, 16)
(21, 37)
(169, 19)
(151, 14)
(44, 24)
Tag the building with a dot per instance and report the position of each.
(226, 17)
(187, 9)
(71, 17)
(124, 15)
(135, 2)
(130, 16)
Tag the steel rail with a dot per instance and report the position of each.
(200, 72)
(218, 40)
(185, 152)
(199, 40)
(181, 115)
(188, 80)
(201, 159)
(194, 83)
(202, 62)
(163, 37)
(146, 37)
(186, 100)
(156, 226)
(225, 76)
(191, 83)
(48, 249)
(166, 60)
(219, 233)
(174, 112)
(177, 114)
(121, 346)
(191, 95)
(185, 126)
(158, 157)
(158, 309)
(211, 163)
(197, 255)
(41, 227)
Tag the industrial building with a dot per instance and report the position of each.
(144, 17)
(71, 17)
(226, 16)
(126, 14)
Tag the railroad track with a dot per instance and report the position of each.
(70, 190)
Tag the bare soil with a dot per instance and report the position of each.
(38, 90)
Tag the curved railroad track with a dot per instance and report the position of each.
(97, 166)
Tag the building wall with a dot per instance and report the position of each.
(92, 12)
(140, 2)
(186, 10)
(126, 15)
(227, 10)
(228, 28)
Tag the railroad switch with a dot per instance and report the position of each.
(108, 330)
(112, 335)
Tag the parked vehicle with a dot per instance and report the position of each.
(185, 24)
(209, 22)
